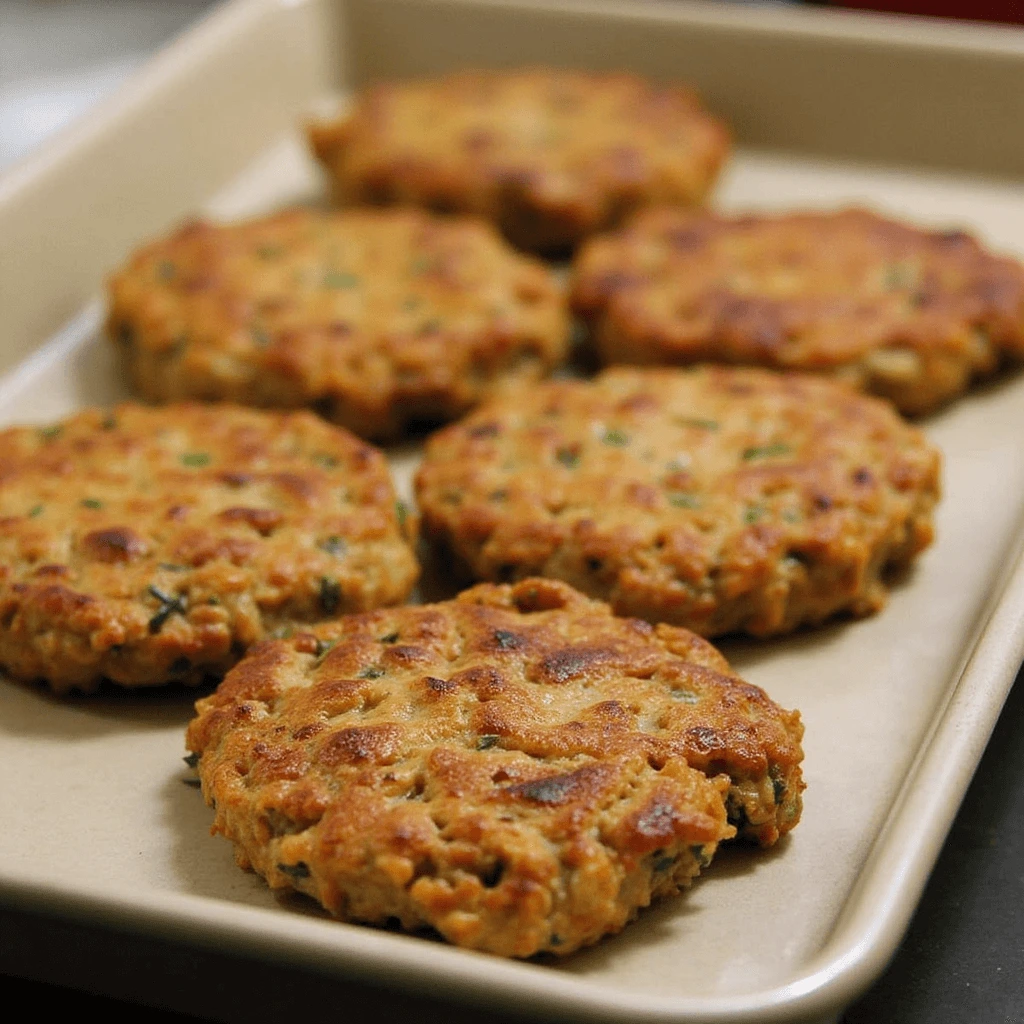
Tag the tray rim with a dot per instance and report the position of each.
(879, 906)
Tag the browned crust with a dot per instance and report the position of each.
(154, 545)
(720, 499)
(550, 156)
(375, 318)
(909, 314)
(515, 768)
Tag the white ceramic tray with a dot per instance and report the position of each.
(98, 824)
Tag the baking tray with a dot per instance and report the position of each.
(915, 119)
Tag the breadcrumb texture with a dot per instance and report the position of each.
(149, 545)
(722, 499)
(516, 768)
(375, 318)
(550, 156)
(909, 314)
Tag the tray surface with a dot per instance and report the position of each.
(98, 819)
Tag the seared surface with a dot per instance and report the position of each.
(154, 545)
(721, 499)
(550, 156)
(375, 318)
(902, 312)
(515, 768)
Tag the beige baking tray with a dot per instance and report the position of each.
(919, 120)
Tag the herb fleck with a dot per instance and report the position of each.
(268, 252)
(325, 461)
(662, 862)
(402, 512)
(390, 638)
(50, 433)
(108, 423)
(616, 438)
(260, 336)
(701, 854)
(34, 511)
(192, 760)
(697, 423)
(767, 451)
(92, 503)
(323, 647)
(298, 870)
(421, 265)
(507, 641)
(486, 742)
(166, 270)
(330, 594)
(168, 607)
(195, 459)
(683, 501)
(568, 458)
(333, 545)
(753, 513)
(431, 326)
(340, 279)
(370, 672)
(686, 696)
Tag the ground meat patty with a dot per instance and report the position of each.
(721, 499)
(154, 545)
(909, 314)
(515, 768)
(548, 155)
(375, 318)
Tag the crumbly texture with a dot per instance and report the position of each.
(895, 310)
(147, 546)
(375, 318)
(721, 499)
(515, 768)
(550, 156)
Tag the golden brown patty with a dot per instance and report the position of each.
(910, 314)
(721, 499)
(151, 545)
(550, 156)
(515, 768)
(376, 318)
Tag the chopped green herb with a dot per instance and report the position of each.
(333, 545)
(411, 303)
(791, 516)
(325, 461)
(172, 567)
(340, 279)
(330, 594)
(168, 607)
(213, 600)
(195, 459)
(402, 512)
(899, 275)
(108, 423)
(431, 326)
(298, 870)
(193, 783)
(686, 696)
(662, 862)
(696, 422)
(616, 438)
(390, 638)
(260, 336)
(421, 265)
(166, 270)
(323, 647)
(701, 854)
(49, 433)
(268, 252)
(92, 503)
(34, 511)
(753, 513)
(282, 633)
(767, 451)
(370, 672)
(192, 760)
(683, 501)
(486, 742)
(568, 458)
